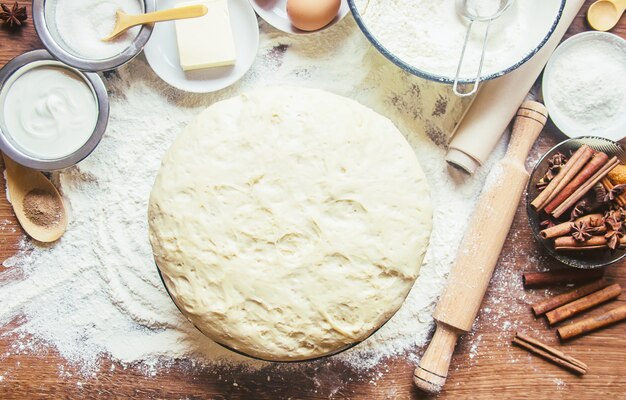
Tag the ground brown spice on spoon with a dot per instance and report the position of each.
(42, 208)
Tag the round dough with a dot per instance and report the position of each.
(289, 223)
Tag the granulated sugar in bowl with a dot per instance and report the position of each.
(72, 31)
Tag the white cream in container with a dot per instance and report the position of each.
(48, 110)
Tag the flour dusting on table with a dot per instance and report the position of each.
(96, 293)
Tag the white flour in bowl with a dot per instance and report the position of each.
(97, 294)
(429, 35)
(586, 84)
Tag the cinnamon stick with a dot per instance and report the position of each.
(585, 187)
(583, 304)
(595, 242)
(564, 298)
(565, 175)
(561, 277)
(566, 227)
(596, 162)
(591, 324)
(550, 353)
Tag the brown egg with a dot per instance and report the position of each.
(311, 15)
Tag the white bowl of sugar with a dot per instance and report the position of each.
(584, 86)
(72, 31)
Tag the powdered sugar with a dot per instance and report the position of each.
(587, 84)
(96, 293)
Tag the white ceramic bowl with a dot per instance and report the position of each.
(162, 51)
(617, 129)
(274, 12)
(546, 17)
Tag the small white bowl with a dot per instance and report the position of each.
(162, 51)
(566, 124)
(274, 12)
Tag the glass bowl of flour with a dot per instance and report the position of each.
(425, 37)
(72, 31)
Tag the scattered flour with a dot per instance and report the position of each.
(96, 293)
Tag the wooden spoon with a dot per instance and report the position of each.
(125, 21)
(603, 15)
(26, 186)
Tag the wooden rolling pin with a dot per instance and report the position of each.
(480, 249)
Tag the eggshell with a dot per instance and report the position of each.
(311, 15)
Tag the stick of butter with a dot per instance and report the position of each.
(206, 41)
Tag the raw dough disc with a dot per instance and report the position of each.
(289, 223)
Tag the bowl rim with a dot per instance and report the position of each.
(102, 99)
(546, 87)
(531, 214)
(440, 78)
(86, 64)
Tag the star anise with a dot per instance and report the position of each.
(547, 223)
(615, 192)
(596, 223)
(554, 166)
(613, 239)
(558, 159)
(581, 208)
(614, 220)
(13, 16)
(581, 231)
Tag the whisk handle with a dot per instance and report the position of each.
(455, 85)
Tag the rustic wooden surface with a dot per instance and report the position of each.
(484, 366)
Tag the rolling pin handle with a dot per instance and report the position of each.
(529, 122)
(432, 371)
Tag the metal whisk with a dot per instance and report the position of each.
(470, 9)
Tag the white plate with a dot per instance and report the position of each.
(566, 124)
(162, 51)
(274, 12)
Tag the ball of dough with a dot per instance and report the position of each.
(289, 223)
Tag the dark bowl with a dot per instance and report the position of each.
(338, 351)
(584, 259)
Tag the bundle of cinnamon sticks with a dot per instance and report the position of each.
(595, 291)
(580, 207)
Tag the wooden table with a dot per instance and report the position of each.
(484, 366)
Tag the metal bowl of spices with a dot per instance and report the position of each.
(72, 31)
(51, 115)
(595, 210)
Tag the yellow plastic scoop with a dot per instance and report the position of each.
(37, 203)
(125, 21)
(605, 14)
